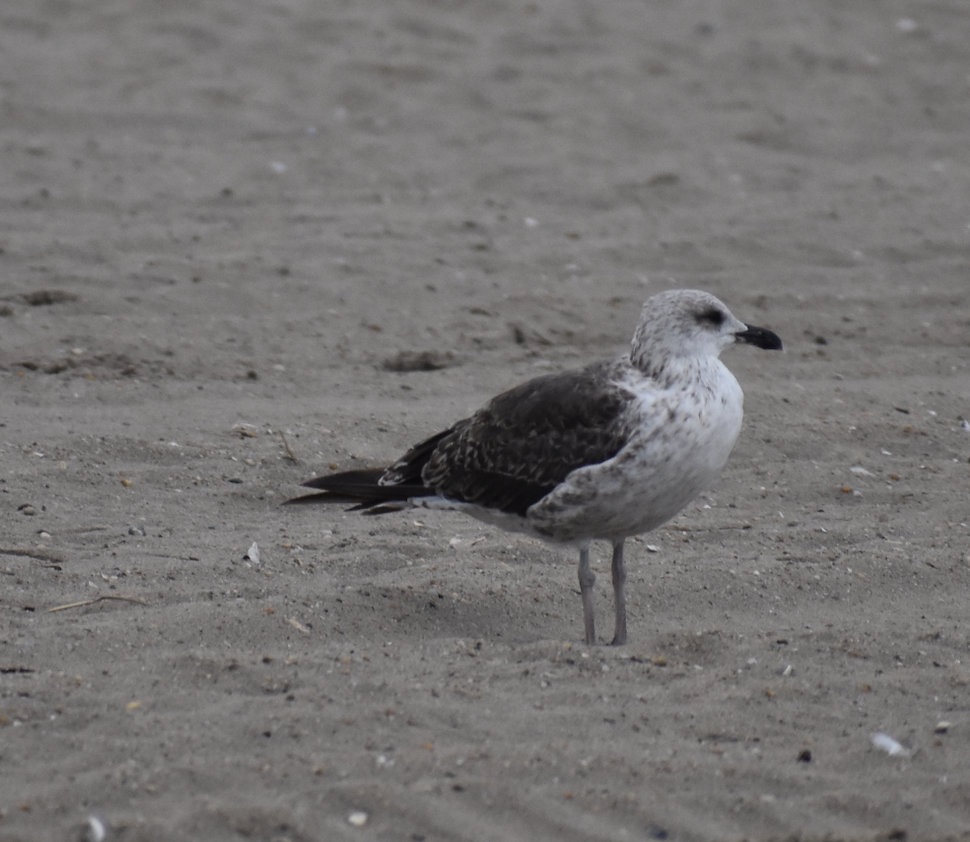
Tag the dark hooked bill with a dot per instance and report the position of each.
(760, 337)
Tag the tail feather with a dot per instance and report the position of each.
(363, 489)
(361, 479)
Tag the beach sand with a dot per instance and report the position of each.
(243, 243)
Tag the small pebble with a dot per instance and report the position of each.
(942, 727)
(93, 830)
(28, 510)
(358, 818)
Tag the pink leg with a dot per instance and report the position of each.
(586, 580)
(619, 595)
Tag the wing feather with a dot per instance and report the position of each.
(526, 441)
(508, 455)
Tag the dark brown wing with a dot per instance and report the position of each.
(507, 456)
(526, 441)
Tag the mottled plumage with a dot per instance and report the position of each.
(603, 452)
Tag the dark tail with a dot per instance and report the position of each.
(363, 487)
(363, 490)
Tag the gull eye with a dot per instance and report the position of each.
(710, 316)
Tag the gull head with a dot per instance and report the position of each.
(685, 325)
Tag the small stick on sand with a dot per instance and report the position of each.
(43, 555)
(286, 446)
(85, 602)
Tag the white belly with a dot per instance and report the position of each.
(681, 445)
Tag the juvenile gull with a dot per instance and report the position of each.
(605, 452)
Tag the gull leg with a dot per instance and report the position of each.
(586, 580)
(619, 596)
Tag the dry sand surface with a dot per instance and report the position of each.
(243, 242)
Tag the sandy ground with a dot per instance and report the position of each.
(224, 221)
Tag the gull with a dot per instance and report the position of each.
(604, 452)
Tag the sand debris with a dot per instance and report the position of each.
(892, 747)
(420, 361)
(358, 818)
(42, 555)
(93, 830)
(102, 597)
(46, 297)
(286, 447)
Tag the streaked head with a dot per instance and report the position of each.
(690, 324)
